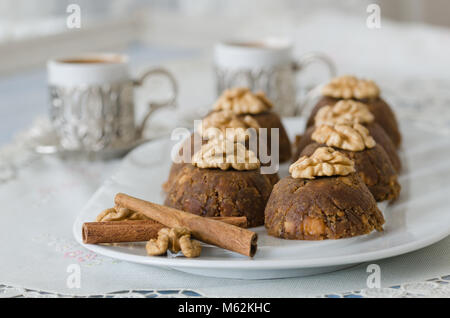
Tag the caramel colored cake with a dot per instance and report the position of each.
(247, 106)
(367, 92)
(374, 168)
(322, 199)
(209, 187)
(378, 134)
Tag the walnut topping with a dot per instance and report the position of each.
(119, 214)
(160, 245)
(174, 237)
(325, 161)
(189, 248)
(344, 112)
(349, 137)
(175, 240)
(226, 124)
(351, 87)
(225, 154)
(241, 100)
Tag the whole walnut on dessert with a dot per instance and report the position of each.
(248, 105)
(371, 160)
(374, 168)
(227, 125)
(344, 112)
(191, 145)
(322, 199)
(240, 100)
(349, 112)
(364, 91)
(353, 137)
(225, 154)
(322, 208)
(325, 161)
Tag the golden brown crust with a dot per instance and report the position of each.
(374, 168)
(322, 208)
(378, 134)
(384, 115)
(213, 192)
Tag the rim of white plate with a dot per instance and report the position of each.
(255, 263)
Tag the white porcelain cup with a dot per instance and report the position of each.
(266, 65)
(91, 102)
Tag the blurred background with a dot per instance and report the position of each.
(411, 49)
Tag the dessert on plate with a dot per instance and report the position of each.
(323, 198)
(194, 142)
(371, 161)
(349, 112)
(255, 111)
(223, 179)
(237, 127)
(365, 91)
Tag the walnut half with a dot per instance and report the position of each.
(119, 214)
(225, 124)
(160, 245)
(325, 161)
(241, 100)
(225, 154)
(344, 112)
(175, 240)
(348, 137)
(351, 87)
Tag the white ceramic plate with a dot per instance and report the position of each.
(419, 218)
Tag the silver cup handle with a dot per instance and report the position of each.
(154, 106)
(301, 64)
(315, 57)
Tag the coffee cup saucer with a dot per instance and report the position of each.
(44, 141)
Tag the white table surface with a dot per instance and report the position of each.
(42, 195)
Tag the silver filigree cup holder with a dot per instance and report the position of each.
(92, 107)
(266, 65)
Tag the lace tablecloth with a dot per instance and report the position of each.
(41, 195)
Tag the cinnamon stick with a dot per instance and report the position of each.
(240, 221)
(135, 231)
(120, 231)
(210, 231)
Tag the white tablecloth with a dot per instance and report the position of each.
(42, 195)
